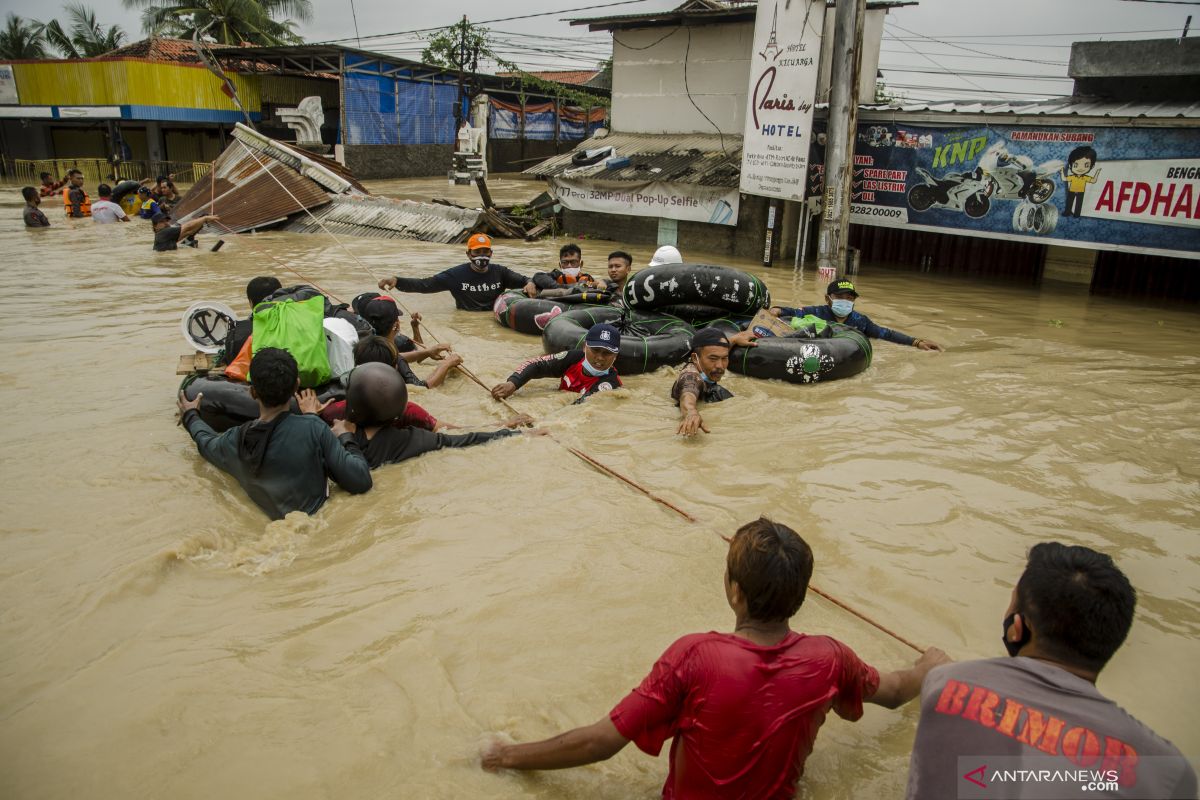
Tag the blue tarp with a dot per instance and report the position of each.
(397, 110)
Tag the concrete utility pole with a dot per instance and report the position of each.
(841, 132)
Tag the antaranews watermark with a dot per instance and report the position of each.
(1051, 778)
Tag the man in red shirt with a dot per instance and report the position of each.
(743, 708)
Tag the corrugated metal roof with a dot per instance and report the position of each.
(1053, 106)
(385, 218)
(575, 77)
(703, 159)
(245, 196)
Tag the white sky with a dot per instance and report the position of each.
(1024, 38)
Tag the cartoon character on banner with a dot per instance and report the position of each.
(1078, 174)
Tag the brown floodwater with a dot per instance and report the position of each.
(160, 638)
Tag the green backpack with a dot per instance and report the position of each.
(297, 326)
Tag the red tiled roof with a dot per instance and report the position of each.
(177, 51)
(575, 77)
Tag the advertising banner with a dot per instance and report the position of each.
(783, 82)
(8, 85)
(1130, 189)
(718, 206)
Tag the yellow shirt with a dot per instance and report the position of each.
(1076, 183)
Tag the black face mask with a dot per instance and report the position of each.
(1015, 647)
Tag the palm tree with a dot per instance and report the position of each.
(88, 39)
(22, 39)
(226, 21)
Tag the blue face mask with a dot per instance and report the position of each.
(841, 308)
(590, 370)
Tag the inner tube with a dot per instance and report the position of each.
(696, 314)
(227, 403)
(123, 188)
(843, 352)
(728, 289)
(517, 311)
(648, 341)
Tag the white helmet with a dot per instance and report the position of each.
(666, 255)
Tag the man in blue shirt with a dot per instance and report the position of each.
(839, 299)
(475, 284)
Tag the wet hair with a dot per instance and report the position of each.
(260, 288)
(1083, 151)
(44, 175)
(1077, 602)
(375, 349)
(29, 193)
(570, 249)
(104, 190)
(621, 254)
(772, 565)
(273, 373)
(71, 173)
(375, 394)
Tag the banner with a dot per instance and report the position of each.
(8, 85)
(1130, 189)
(684, 201)
(783, 82)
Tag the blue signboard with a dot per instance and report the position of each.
(1131, 189)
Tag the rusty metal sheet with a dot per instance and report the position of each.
(702, 159)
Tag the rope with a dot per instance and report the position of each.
(572, 450)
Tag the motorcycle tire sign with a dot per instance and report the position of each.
(1132, 189)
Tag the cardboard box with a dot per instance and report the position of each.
(767, 324)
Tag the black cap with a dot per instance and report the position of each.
(841, 286)
(709, 337)
(382, 312)
(161, 216)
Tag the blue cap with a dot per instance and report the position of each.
(603, 336)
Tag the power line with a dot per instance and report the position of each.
(968, 49)
(977, 74)
(957, 55)
(489, 21)
(959, 89)
(1076, 34)
(936, 64)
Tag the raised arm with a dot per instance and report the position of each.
(192, 226)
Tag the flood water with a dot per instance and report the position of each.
(160, 638)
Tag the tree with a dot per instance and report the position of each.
(225, 21)
(22, 39)
(87, 38)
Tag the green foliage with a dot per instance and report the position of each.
(87, 38)
(22, 39)
(445, 48)
(259, 22)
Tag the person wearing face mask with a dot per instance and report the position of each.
(475, 285)
(569, 273)
(700, 380)
(585, 371)
(839, 297)
(1039, 708)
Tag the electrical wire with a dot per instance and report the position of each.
(489, 21)
(967, 49)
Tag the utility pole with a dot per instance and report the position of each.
(461, 63)
(841, 133)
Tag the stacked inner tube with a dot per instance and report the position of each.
(648, 341)
(693, 289)
(840, 353)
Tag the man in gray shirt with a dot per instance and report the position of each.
(1033, 725)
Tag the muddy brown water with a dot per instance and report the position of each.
(159, 638)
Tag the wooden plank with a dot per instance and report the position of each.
(536, 231)
(196, 362)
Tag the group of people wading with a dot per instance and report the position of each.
(151, 200)
(742, 708)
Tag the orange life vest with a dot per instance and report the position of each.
(85, 207)
(566, 280)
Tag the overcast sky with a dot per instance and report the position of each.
(1017, 38)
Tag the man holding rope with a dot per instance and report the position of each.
(743, 708)
(475, 285)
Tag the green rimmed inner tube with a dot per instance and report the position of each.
(648, 341)
(707, 285)
(842, 353)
